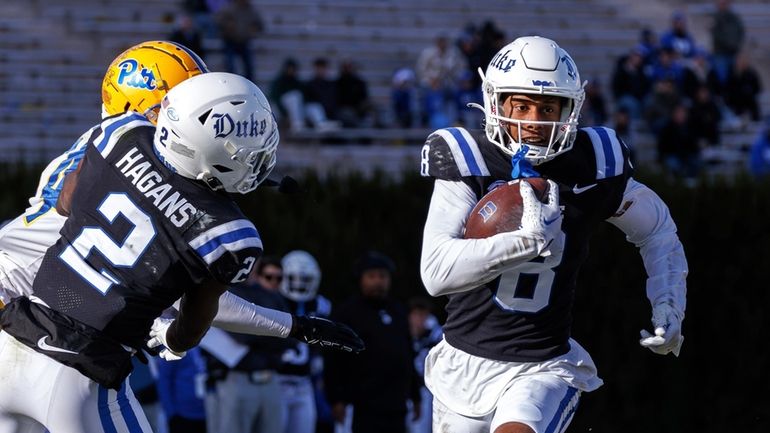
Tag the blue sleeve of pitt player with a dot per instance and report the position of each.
(229, 250)
(451, 154)
(612, 155)
(52, 178)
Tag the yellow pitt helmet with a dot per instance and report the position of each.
(139, 78)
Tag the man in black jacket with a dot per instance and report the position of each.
(379, 381)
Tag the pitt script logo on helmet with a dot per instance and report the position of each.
(139, 78)
(132, 75)
(536, 66)
(218, 128)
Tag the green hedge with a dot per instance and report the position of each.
(717, 384)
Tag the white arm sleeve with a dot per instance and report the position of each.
(647, 223)
(238, 315)
(451, 264)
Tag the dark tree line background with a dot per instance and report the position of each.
(718, 384)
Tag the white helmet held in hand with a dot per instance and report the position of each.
(301, 276)
(218, 128)
(536, 66)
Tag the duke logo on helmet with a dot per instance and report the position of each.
(228, 121)
(223, 125)
(570, 67)
(502, 62)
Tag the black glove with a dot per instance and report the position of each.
(325, 333)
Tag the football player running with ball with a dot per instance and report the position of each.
(507, 338)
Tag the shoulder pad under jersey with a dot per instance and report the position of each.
(112, 128)
(451, 154)
(610, 155)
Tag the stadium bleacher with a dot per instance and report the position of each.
(53, 53)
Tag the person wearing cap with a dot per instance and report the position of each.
(678, 37)
(378, 382)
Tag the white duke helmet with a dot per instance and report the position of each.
(301, 276)
(218, 128)
(537, 66)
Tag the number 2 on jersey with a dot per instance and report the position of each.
(527, 288)
(120, 255)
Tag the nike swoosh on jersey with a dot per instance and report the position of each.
(47, 347)
(582, 189)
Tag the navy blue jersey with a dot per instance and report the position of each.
(138, 236)
(298, 359)
(525, 314)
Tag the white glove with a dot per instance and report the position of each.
(543, 221)
(667, 321)
(158, 338)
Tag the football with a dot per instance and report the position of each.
(500, 209)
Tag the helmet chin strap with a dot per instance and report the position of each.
(210, 181)
(520, 167)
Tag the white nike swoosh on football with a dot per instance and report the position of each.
(45, 346)
(582, 189)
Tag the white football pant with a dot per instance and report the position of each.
(23, 244)
(60, 398)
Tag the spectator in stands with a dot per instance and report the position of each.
(743, 89)
(594, 110)
(441, 62)
(491, 39)
(439, 67)
(696, 73)
(660, 103)
(321, 89)
(678, 148)
(378, 381)
(648, 46)
(437, 108)
(678, 38)
(354, 108)
(630, 83)
(622, 123)
(402, 97)
(469, 44)
(202, 12)
(181, 392)
(668, 67)
(238, 24)
(467, 93)
(759, 160)
(288, 94)
(186, 33)
(727, 37)
(706, 115)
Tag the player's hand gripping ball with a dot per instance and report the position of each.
(500, 210)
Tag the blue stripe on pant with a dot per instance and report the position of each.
(564, 412)
(126, 411)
